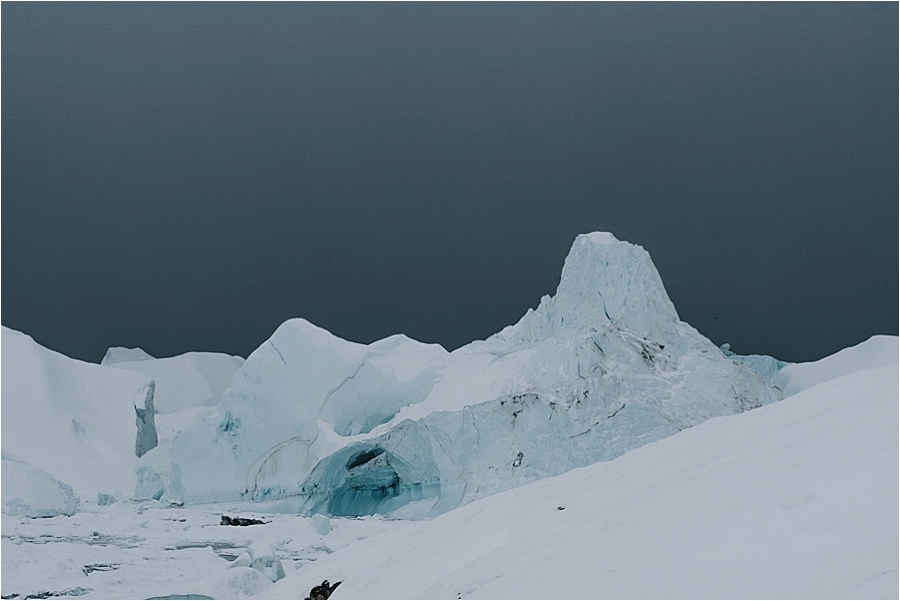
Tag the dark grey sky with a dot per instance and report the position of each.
(188, 176)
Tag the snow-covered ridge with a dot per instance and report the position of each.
(407, 429)
(78, 422)
(875, 352)
(182, 382)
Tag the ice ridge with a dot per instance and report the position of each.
(407, 429)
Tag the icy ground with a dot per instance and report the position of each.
(798, 499)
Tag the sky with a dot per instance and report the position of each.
(187, 176)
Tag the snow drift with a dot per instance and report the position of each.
(407, 429)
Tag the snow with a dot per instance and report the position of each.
(138, 550)
(874, 352)
(33, 493)
(794, 500)
(406, 429)
(74, 420)
(184, 381)
(797, 499)
(595, 442)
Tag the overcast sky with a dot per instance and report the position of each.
(188, 176)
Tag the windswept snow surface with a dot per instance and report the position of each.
(74, 420)
(795, 500)
(406, 429)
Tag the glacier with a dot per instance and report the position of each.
(320, 425)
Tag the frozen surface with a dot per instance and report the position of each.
(795, 500)
(74, 420)
(132, 550)
(874, 352)
(406, 429)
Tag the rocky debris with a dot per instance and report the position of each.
(229, 521)
(322, 591)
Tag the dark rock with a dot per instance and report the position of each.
(229, 521)
(322, 591)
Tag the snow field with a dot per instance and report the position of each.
(794, 500)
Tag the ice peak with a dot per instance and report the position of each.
(121, 354)
(604, 281)
(599, 237)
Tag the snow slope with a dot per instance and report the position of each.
(407, 429)
(874, 352)
(795, 500)
(182, 382)
(74, 420)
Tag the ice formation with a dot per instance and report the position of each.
(121, 354)
(76, 421)
(408, 429)
(32, 493)
(182, 382)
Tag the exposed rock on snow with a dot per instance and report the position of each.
(322, 591)
(407, 429)
(230, 521)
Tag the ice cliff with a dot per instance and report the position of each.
(407, 429)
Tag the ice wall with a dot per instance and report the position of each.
(409, 430)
